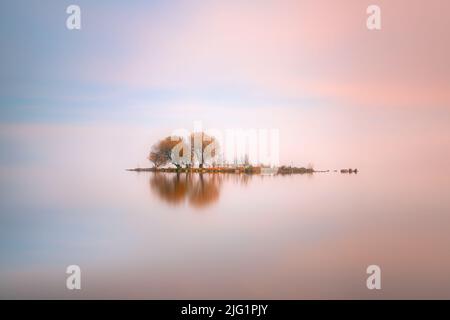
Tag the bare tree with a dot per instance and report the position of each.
(161, 152)
(202, 147)
(157, 158)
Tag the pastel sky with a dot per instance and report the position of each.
(140, 69)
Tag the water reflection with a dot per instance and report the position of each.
(197, 190)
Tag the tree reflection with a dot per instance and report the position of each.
(198, 190)
(169, 187)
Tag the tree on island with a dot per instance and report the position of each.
(202, 149)
(202, 144)
(157, 158)
(161, 152)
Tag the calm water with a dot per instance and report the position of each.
(146, 235)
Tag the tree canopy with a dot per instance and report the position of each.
(197, 148)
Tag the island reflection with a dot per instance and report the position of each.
(197, 190)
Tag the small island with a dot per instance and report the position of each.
(180, 155)
(283, 170)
